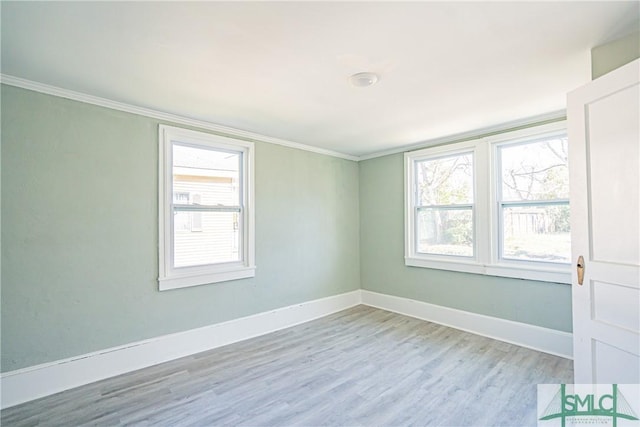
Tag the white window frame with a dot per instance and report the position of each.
(486, 224)
(173, 278)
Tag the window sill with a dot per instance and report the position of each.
(560, 274)
(187, 280)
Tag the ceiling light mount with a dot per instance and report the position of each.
(364, 79)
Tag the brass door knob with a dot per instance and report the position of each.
(580, 267)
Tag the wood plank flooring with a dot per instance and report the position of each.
(358, 367)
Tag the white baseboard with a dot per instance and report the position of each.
(538, 338)
(38, 381)
(31, 383)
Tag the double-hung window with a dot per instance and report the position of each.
(205, 208)
(533, 200)
(444, 205)
(497, 205)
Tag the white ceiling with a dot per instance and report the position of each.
(280, 69)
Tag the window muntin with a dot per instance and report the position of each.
(498, 200)
(533, 200)
(444, 205)
(206, 226)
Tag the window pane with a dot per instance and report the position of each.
(537, 233)
(445, 181)
(182, 222)
(210, 177)
(535, 171)
(181, 198)
(217, 241)
(445, 231)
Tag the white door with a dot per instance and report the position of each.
(604, 161)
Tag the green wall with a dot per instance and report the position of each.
(382, 267)
(80, 233)
(614, 54)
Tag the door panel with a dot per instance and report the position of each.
(613, 175)
(604, 160)
(605, 302)
(627, 364)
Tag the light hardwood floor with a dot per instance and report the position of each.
(360, 367)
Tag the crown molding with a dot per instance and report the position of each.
(160, 115)
(251, 136)
(541, 119)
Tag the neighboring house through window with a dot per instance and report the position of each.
(497, 205)
(206, 208)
